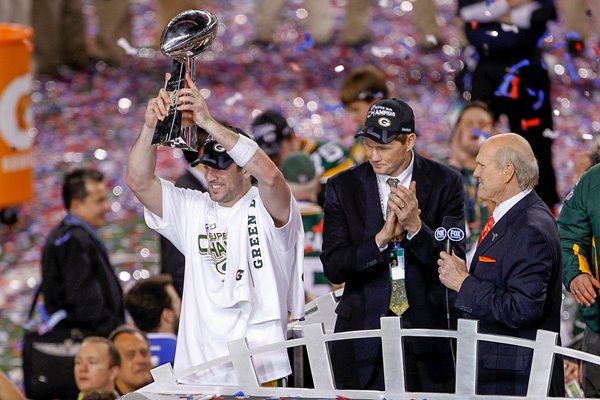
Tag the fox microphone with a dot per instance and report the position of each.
(449, 232)
(441, 235)
(452, 230)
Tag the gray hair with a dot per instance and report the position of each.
(526, 166)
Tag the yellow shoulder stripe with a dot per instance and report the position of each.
(338, 168)
(584, 266)
(595, 252)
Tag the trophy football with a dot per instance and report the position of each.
(185, 36)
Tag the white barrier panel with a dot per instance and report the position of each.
(315, 336)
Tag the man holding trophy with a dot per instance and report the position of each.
(242, 244)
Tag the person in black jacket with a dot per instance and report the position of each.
(77, 276)
(363, 219)
(510, 74)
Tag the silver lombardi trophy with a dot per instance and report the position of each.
(185, 36)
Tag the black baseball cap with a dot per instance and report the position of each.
(269, 130)
(192, 156)
(214, 154)
(387, 119)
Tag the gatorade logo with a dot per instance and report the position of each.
(15, 113)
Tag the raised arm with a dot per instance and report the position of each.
(141, 164)
(273, 190)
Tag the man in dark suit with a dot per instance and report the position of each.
(364, 218)
(76, 273)
(513, 286)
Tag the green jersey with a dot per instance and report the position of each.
(579, 229)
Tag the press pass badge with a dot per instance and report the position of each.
(397, 261)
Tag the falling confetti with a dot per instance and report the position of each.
(77, 114)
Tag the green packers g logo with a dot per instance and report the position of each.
(384, 122)
(215, 248)
(221, 266)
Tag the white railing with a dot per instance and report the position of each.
(315, 336)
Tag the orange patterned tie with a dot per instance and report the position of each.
(486, 229)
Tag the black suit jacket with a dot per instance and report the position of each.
(77, 277)
(353, 216)
(515, 289)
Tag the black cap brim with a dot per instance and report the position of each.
(214, 154)
(379, 135)
(220, 161)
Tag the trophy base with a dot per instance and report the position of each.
(187, 140)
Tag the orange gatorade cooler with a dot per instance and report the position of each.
(16, 140)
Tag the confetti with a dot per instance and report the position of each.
(529, 123)
(308, 43)
(333, 107)
(77, 114)
(538, 104)
(511, 80)
(572, 35)
(541, 40)
(571, 70)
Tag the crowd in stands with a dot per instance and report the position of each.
(346, 216)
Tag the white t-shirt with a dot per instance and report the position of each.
(242, 275)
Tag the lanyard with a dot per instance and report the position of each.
(397, 266)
